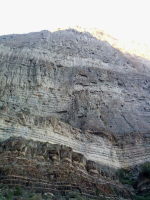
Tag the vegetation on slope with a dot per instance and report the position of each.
(140, 181)
(18, 193)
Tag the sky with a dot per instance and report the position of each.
(125, 19)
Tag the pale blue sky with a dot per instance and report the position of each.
(123, 18)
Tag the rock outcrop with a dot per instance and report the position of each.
(69, 88)
(74, 77)
(45, 167)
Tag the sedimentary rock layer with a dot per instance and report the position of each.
(55, 168)
(74, 77)
(102, 147)
(69, 88)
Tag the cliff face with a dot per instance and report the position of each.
(55, 168)
(69, 88)
(74, 77)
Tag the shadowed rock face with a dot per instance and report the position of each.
(45, 167)
(67, 87)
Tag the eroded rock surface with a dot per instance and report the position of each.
(69, 88)
(75, 77)
(45, 167)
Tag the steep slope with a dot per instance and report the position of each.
(69, 88)
(75, 77)
(55, 168)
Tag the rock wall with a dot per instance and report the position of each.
(69, 88)
(55, 168)
(102, 147)
(74, 77)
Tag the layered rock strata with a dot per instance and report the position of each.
(102, 147)
(75, 77)
(44, 167)
(69, 88)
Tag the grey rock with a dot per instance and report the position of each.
(67, 82)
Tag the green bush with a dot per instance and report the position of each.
(146, 169)
(36, 197)
(1, 197)
(125, 177)
(137, 197)
(74, 195)
(18, 191)
(9, 195)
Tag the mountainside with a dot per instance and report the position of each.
(73, 89)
